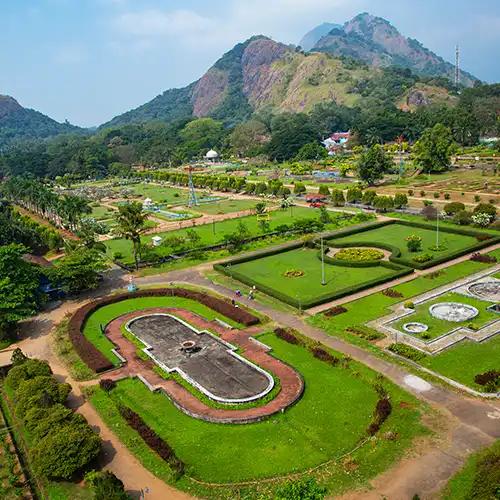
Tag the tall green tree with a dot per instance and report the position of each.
(19, 288)
(373, 164)
(432, 152)
(131, 225)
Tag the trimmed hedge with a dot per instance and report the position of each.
(155, 442)
(99, 363)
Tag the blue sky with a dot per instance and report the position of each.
(88, 60)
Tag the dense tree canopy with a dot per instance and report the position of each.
(432, 152)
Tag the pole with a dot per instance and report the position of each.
(213, 226)
(437, 230)
(323, 282)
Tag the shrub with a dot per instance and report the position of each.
(483, 237)
(383, 203)
(302, 489)
(481, 220)
(425, 257)
(30, 369)
(106, 384)
(337, 198)
(477, 198)
(323, 355)
(447, 196)
(453, 207)
(354, 195)
(155, 442)
(117, 255)
(410, 192)
(323, 189)
(105, 486)
(484, 258)
(368, 197)
(18, 357)
(364, 332)
(359, 254)
(413, 243)
(390, 292)
(436, 195)
(334, 311)
(286, 335)
(409, 305)
(400, 200)
(422, 193)
(382, 412)
(463, 218)
(407, 352)
(487, 476)
(490, 380)
(65, 451)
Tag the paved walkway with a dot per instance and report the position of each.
(292, 385)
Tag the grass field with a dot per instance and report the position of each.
(161, 194)
(328, 421)
(225, 206)
(211, 234)
(102, 213)
(396, 234)
(467, 484)
(270, 272)
(103, 315)
(438, 327)
(460, 363)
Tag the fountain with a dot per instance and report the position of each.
(488, 290)
(453, 311)
(415, 327)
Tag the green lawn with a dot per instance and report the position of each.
(225, 206)
(396, 234)
(328, 421)
(438, 327)
(270, 272)
(212, 234)
(107, 313)
(461, 362)
(161, 194)
(102, 213)
(461, 486)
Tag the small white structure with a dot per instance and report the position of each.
(148, 204)
(156, 240)
(212, 155)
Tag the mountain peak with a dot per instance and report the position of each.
(8, 105)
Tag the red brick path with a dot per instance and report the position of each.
(292, 384)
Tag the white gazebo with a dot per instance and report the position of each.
(148, 204)
(156, 240)
(212, 155)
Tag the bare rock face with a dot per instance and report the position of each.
(209, 92)
(417, 98)
(257, 60)
(8, 105)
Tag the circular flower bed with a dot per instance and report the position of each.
(359, 254)
(293, 273)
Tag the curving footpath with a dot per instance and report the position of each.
(292, 385)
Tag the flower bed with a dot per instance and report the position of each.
(359, 254)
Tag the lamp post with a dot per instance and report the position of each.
(437, 229)
(213, 226)
(323, 282)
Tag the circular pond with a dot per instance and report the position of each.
(489, 290)
(453, 311)
(415, 327)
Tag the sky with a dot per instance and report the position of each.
(89, 60)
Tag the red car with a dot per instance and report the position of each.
(317, 204)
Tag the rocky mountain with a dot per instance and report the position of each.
(377, 42)
(263, 74)
(17, 122)
(311, 38)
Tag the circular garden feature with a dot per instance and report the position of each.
(453, 311)
(415, 327)
(489, 290)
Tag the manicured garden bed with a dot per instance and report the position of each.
(461, 362)
(438, 327)
(87, 324)
(330, 420)
(392, 236)
(225, 206)
(295, 275)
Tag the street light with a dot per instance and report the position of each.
(437, 229)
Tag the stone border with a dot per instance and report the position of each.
(230, 349)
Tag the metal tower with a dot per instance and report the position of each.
(192, 200)
(457, 66)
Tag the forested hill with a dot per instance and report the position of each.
(18, 123)
(377, 42)
(261, 74)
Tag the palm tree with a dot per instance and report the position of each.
(131, 224)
